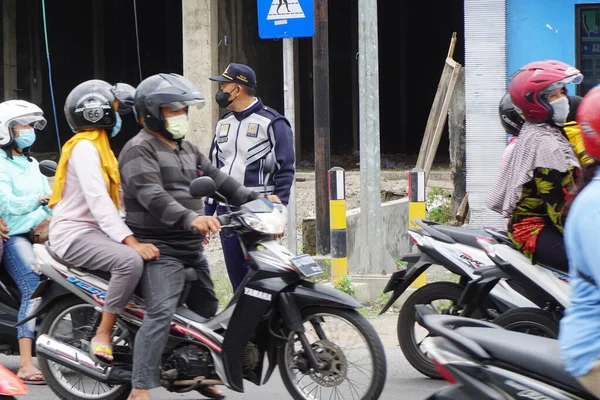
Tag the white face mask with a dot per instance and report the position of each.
(561, 110)
(178, 126)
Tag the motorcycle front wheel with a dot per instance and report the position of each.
(350, 350)
(70, 321)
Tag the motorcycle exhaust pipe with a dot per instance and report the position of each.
(71, 357)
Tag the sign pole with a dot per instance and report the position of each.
(289, 107)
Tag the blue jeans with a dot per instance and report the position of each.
(18, 260)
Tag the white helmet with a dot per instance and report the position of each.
(18, 112)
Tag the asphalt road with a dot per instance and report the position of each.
(403, 382)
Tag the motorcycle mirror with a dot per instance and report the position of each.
(202, 187)
(269, 168)
(269, 164)
(48, 168)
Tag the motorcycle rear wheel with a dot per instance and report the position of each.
(533, 321)
(59, 377)
(447, 293)
(326, 340)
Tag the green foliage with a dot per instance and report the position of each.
(345, 285)
(223, 289)
(438, 206)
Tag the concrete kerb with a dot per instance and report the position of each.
(434, 175)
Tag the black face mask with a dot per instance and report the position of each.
(222, 98)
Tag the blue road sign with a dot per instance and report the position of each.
(285, 19)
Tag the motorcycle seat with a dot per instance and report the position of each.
(464, 236)
(530, 355)
(100, 274)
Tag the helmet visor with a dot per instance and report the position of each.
(36, 121)
(574, 79)
(179, 105)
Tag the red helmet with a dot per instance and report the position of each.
(588, 118)
(533, 83)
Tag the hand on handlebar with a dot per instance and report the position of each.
(274, 198)
(206, 225)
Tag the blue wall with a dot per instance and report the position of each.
(541, 30)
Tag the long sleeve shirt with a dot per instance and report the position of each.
(156, 183)
(579, 333)
(21, 185)
(86, 204)
(242, 141)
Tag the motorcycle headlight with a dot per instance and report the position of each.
(272, 223)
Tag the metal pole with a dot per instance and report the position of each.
(289, 107)
(321, 123)
(370, 186)
(417, 208)
(337, 212)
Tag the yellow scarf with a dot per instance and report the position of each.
(110, 167)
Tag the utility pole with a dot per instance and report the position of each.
(372, 257)
(321, 124)
(289, 111)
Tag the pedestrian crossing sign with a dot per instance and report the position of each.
(285, 19)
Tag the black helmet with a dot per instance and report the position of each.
(125, 95)
(574, 101)
(163, 90)
(90, 106)
(511, 120)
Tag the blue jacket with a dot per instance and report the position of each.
(579, 333)
(242, 141)
(21, 185)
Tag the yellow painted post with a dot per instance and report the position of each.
(416, 209)
(337, 223)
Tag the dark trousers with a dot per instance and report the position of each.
(234, 257)
(550, 249)
(162, 284)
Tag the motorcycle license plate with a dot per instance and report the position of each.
(306, 265)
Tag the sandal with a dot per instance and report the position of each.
(204, 392)
(28, 379)
(96, 348)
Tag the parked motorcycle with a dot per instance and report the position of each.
(547, 287)
(10, 297)
(481, 360)
(323, 346)
(458, 250)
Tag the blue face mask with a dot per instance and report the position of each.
(26, 138)
(117, 126)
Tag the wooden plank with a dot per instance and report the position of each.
(430, 127)
(432, 119)
(463, 209)
(440, 123)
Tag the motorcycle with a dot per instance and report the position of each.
(458, 250)
(10, 297)
(277, 317)
(482, 360)
(547, 287)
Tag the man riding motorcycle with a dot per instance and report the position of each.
(157, 166)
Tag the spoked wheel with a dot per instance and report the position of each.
(533, 321)
(71, 322)
(353, 358)
(442, 298)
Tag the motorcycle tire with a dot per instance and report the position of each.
(407, 318)
(533, 321)
(121, 394)
(371, 338)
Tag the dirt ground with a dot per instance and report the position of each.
(391, 182)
